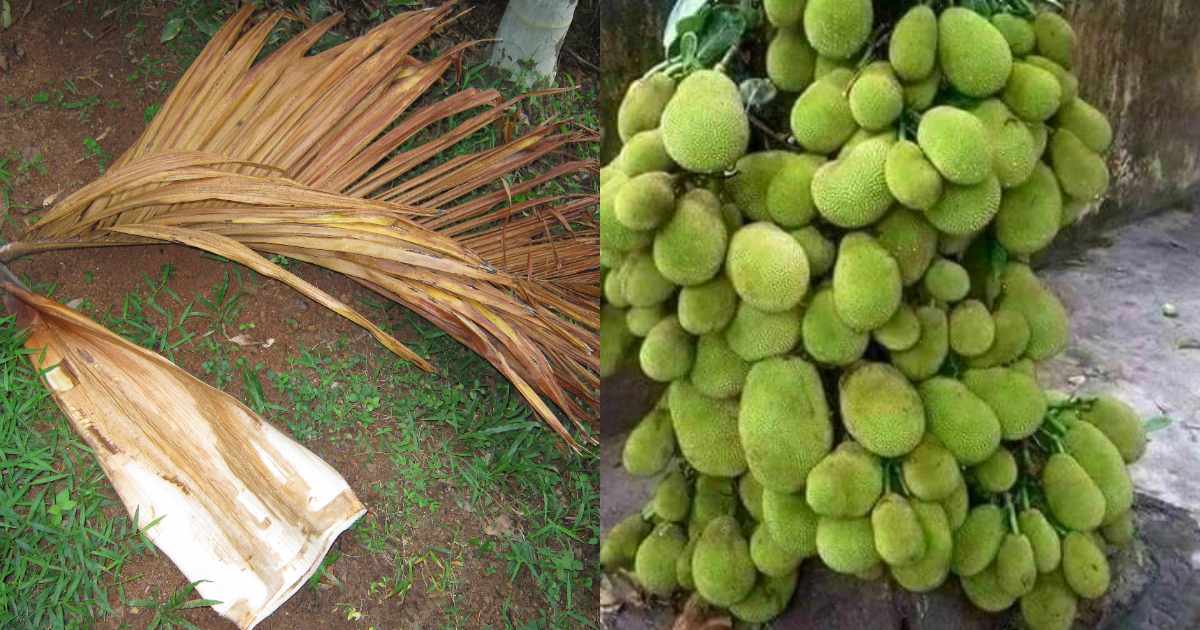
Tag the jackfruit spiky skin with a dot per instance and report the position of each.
(889, 135)
(690, 247)
(1120, 423)
(826, 66)
(789, 195)
(947, 281)
(876, 100)
(1014, 153)
(611, 259)
(619, 545)
(1072, 496)
(784, 422)
(1032, 93)
(771, 558)
(984, 591)
(909, 238)
(913, 46)
(963, 422)
(645, 201)
(640, 319)
(650, 445)
(957, 505)
(911, 178)
(1025, 366)
(1047, 319)
(704, 127)
(867, 288)
(1087, 123)
(641, 282)
(784, 13)
(718, 371)
(821, 119)
(965, 210)
(1084, 565)
(930, 470)
(754, 174)
(852, 192)
(1030, 214)
(1051, 605)
(751, 494)
(608, 173)
(1017, 31)
(882, 410)
(767, 601)
(767, 267)
(613, 234)
(615, 339)
(846, 483)
(901, 332)
(838, 28)
(997, 473)
(614, 288)
(925, 358)
(929, 571)
(955, 245)
(1121, 530)
(707, 308)
(683, 565)
(790, 60)
(1067, 81)
(847, 545)
(919, 96)
(1047, 549)
(713, 497)
(667, 351)
(973, 54)
(732, 217)
(1055, 38)
(754, 335)
(1041, 137)
(645, 152)
(792, 523)
(643, 104)
(654, 565)
(1016, 571)
(972, 329)
(957, 144)
(706, 431)
(826, 337)
(978, 540)
(819, 250)
(1016, 399)
(1081, 172)
(1104, 464)
(722, 569)
(899, 539)
(671, 498)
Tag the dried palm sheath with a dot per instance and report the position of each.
(242, 506)
(329, 159)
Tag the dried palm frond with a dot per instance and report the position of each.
(233, 502)
(329, 158)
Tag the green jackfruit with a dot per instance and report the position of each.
(613, 234)
(1072, 211)
(667, 352)
(964, 423)
(889, 135)
(909, 238)
(1104, 464)
(650, 445)
(1018, 32)
(646, 201)
(826, 66)
(974, 55)
(754, 335)
(901, 332)
(1121, 530)
(838, 28)
(867, 288)
(984, 591)
(846, 483)
(615, 339)
(919, 96)
(1025, 366)
(876, 100)
(706, 431)
(924, 359)
(1087, 123)
(611, 259)
(819, 250)
(1032, 93)
(751, 494)
(821, 119)
(881, 409)
(911, 178)
(1047, 319)
(1016, 571)
(928, 572)
(784, 422)
(957, 505)
(1120, 423)
(789, 195)
(930, 470)
(1014, 149)
(1081, 172)
(608, 173)
(640, 319)
(767, 601)
(1030, 214)
(614, 289)
(847, 545)
(899, 539)
(722, 569)
(767, 267)
(978, 540)
(713, 497)
(1084, 565)
(718, 371)
(1055, 38)
(957, 144)
(671, 498)
(792, 523)
(852, 192)
(771, 558)
(997, 473)
(913, 45)
(790, 60)
(965, 210)
(732, 217)
(1047, 549)
(1072, 496)
(972, 329)
(1067, 81)
(1016, 399)
(704, 127)
(826, 337)
(690, 248)
(784, 13)
(683, 565)
(955, 245)
(706, 308)
(654, 565)
(754, 174)
(1051, 605)
(947, 281)
(641, 282)
(1041, 137)
(618, 546)
(645, 152)
(643, 104)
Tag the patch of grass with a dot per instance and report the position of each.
(168, 611)
(222, 304)
(93, 151)
(154, 316)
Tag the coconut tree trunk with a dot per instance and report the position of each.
(530, 35)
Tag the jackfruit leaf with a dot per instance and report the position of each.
(757, 92)
(1157, 423)
(687, 16)
(724, 30)
(171, 29)
(6, 18)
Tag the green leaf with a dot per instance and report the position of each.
(757, 92)
(6, 18)
(1157, 423)
(723, 32)
(686, 17)
(171, 29)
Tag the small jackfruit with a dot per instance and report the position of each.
(751, 493)
(1030, 214)
(645, 152)
(925, 358)
(1084, 565)
(846, 483)
(722, 569)
(964, 423)
(767, 267)
(1055, 38)
(867, 287)
(919, 96)
(792, 523)
(819, 250)
(974, 55)
(1072, 496)
(957, 505)
(706, 308)
(718, 371)
(767, 601)
(754, 335)
(784, 13)
(1081, 172)
(909, 238)
(978, 540)
(1047, 319)
(957, 144)
(683, 565)
(838, 28)
(671, 498)
(1104, 464)
(847, 545)
(1018, 32)
(667, 352)
(789, 195)
(876, 99)
(704, 126)
(911, 178)
(1120, 423)
(899, 539)
(1041, 137)
(984, 591)
(1016, 571)
(913, 45)
(1014, 149)
(997, 473)
(771, 558)
(965, 210)
(654, 565)
(1087, 123)
(1016, 398)
(613, 234)
(650, 445)
(706, 431)
(790, 60)
(947, 281)
(690, 248)
(972, 329)
(1051, 605)
(881, 409)
(1067, 81)
(826, 337)
(852, 191)
(713, 497)
(1047, 550)
(930, 471)
(901, 332)
(821, 119)
(619, 545)
(1032, 93)
(929, 571)
(731, 217)
(1120, 531)
(640, 319)
(643, 104)
(641, 282)
(646, 201)
(754, 173)
(784, 422)
(826, 66)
